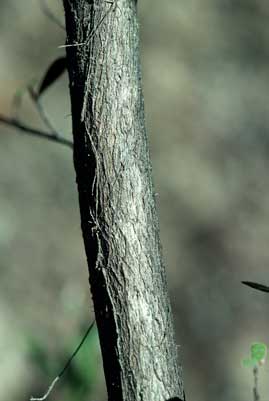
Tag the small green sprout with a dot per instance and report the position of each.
(258, 352)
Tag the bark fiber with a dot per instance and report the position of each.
(118, 214)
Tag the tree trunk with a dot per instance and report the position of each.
(118, 214)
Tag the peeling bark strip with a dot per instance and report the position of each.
(118, 215)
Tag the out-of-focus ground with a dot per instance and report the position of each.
(206, 85)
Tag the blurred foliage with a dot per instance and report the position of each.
(78, 381)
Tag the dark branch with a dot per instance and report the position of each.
(13, 122)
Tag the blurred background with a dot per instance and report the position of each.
(206, 80)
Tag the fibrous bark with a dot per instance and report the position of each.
(118, 214)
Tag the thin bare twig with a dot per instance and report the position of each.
(41, 111)
(66, 366)
(26, 129)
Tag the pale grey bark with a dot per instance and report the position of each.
(118, 214)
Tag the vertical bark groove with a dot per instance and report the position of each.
(118, 214)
